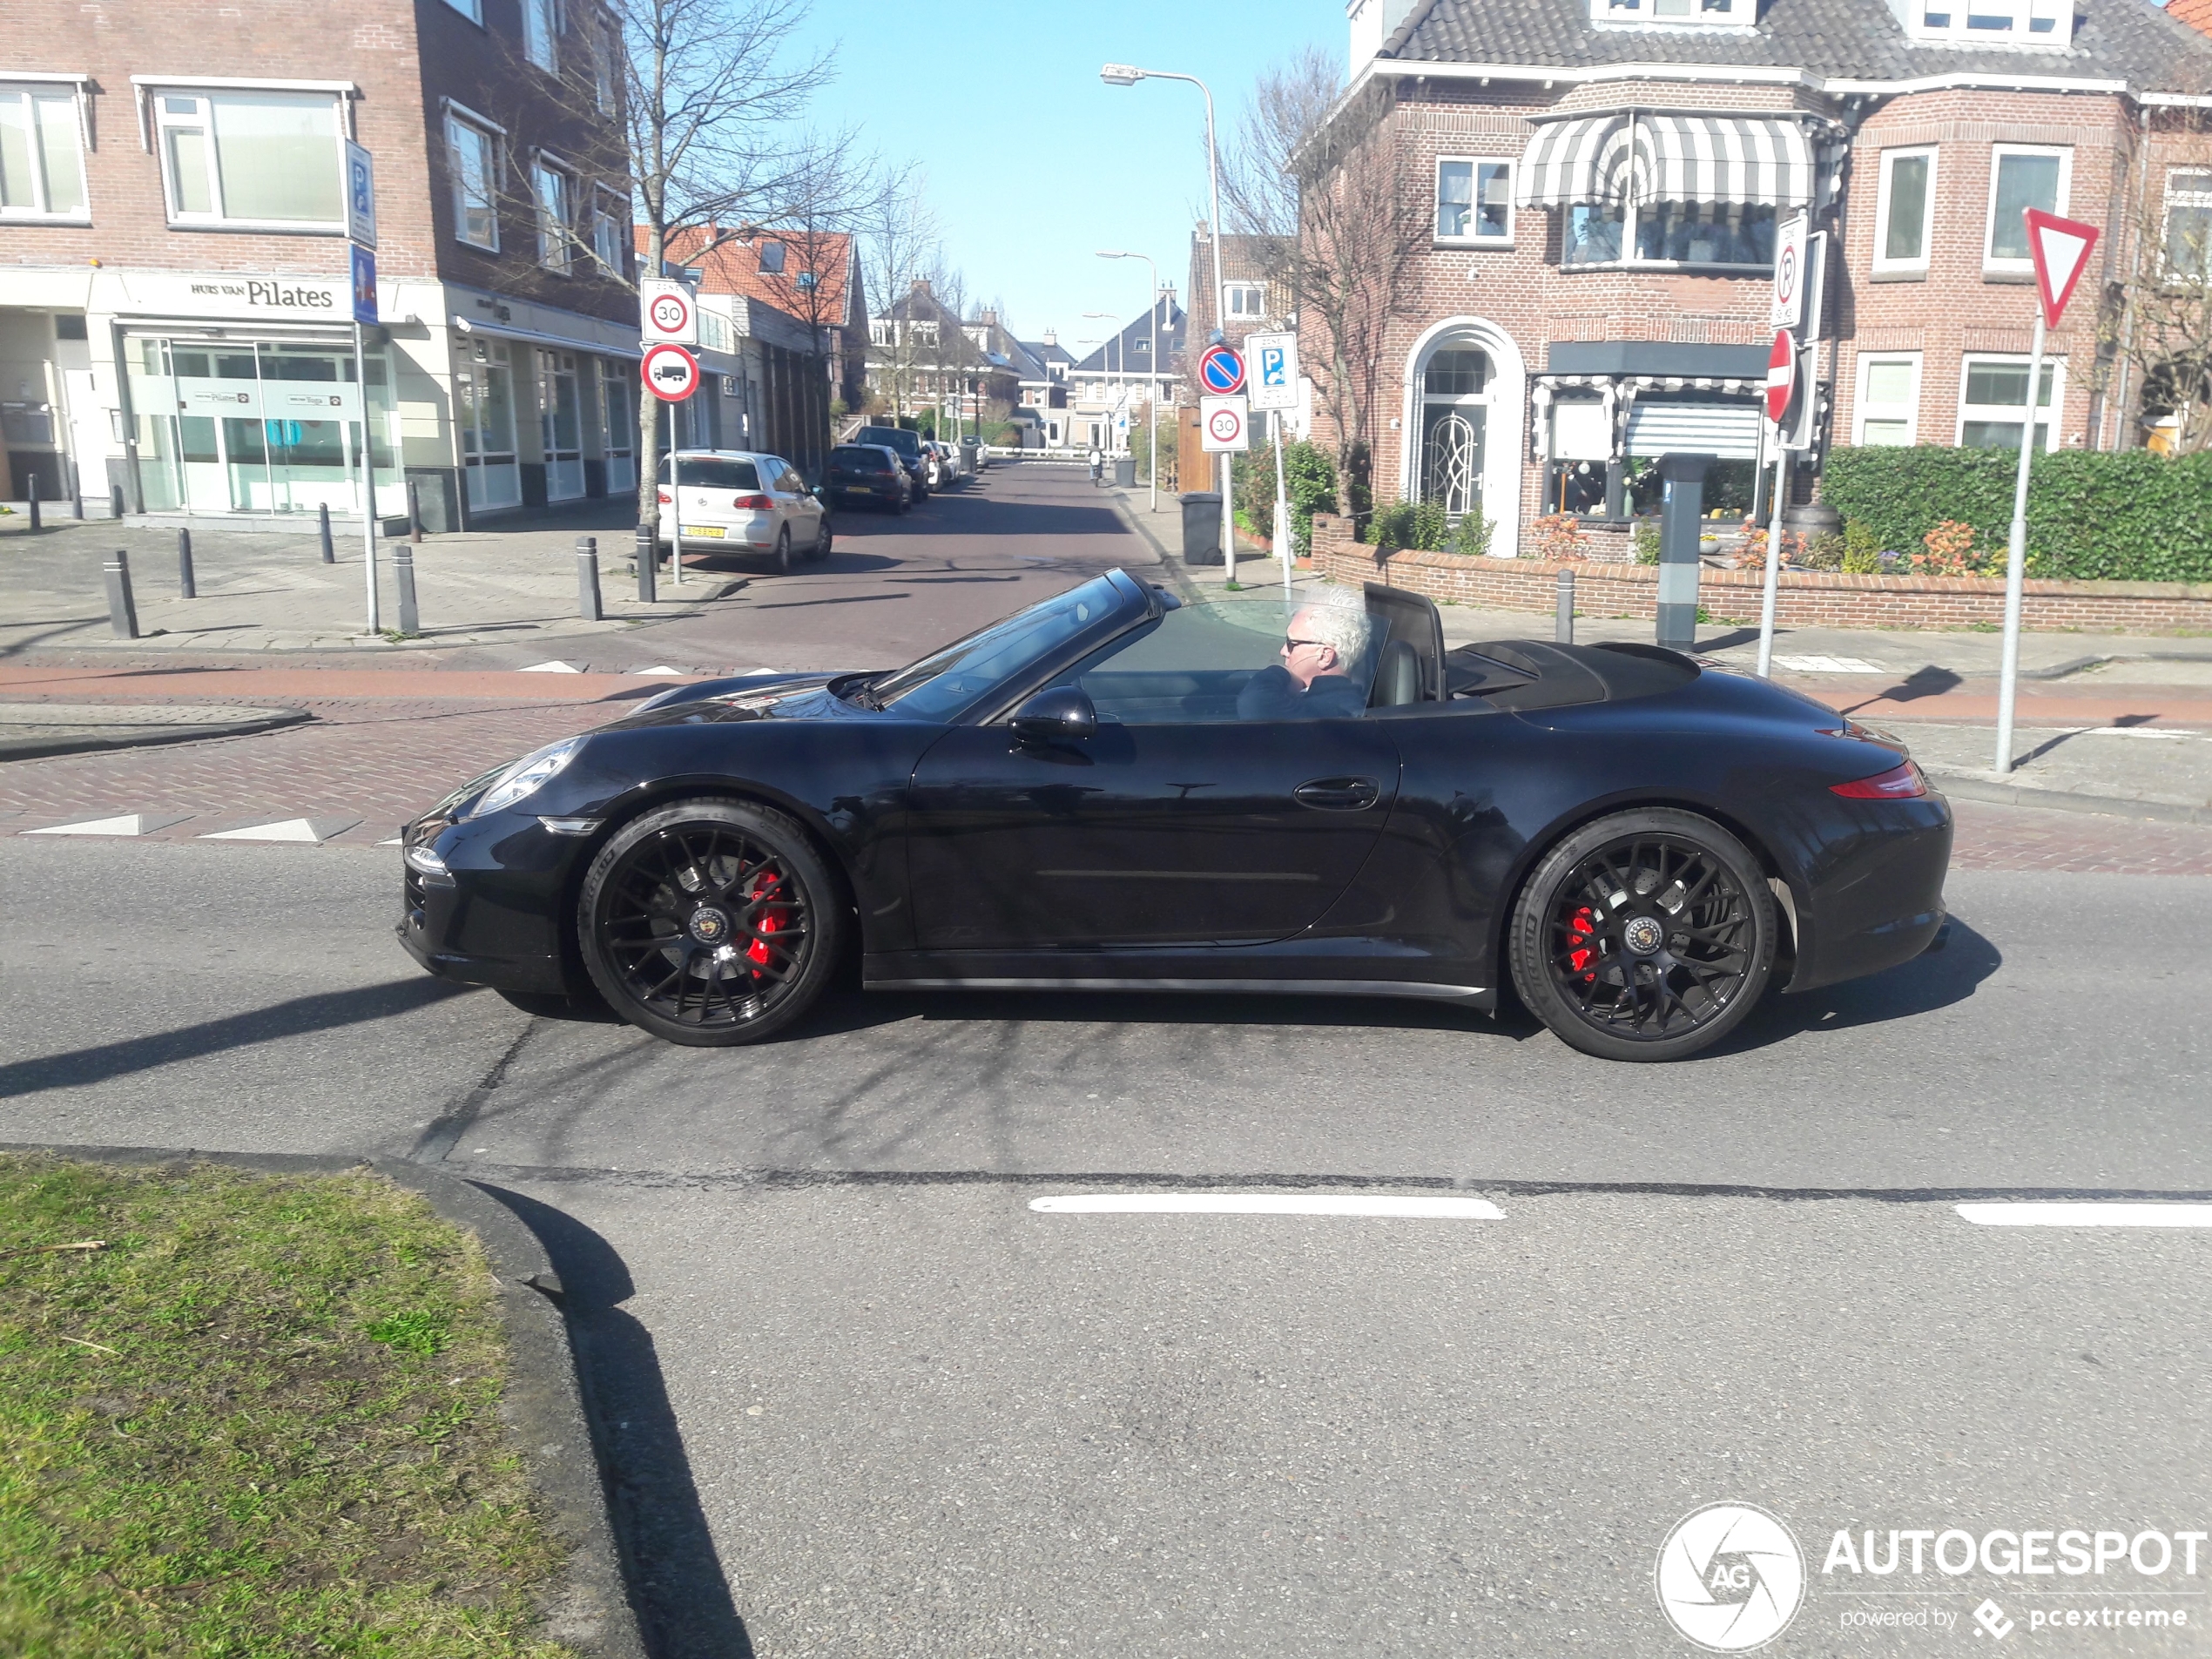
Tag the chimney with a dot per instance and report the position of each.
(1372, 24)
(1051, 337)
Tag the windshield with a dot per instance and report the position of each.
(860, 460)
(905, 443)
(1228, 659)
(713, 472)
(946, 681)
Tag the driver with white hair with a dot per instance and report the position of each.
(1314, 681)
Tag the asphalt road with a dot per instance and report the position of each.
(862, 1399)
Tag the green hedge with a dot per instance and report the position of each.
(2113, 516)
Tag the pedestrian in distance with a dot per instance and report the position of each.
(1097, 465)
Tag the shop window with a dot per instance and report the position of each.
(1993, 397)
(1243, 302)
(541, 27)
(42, 167)
(553, 191)
(1905, 216)
(1889, 401)
(2020, 179)
(475, 156)
(267, 160)
(2188, 225)
(1674, 234)
(1474, 199)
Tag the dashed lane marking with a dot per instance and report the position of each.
(1382, 1206)
(1827, 666)
(2089, 1213)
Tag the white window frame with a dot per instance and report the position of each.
(611, 211)
(1475, 240)
(555, 236)
(1693, 14)
(2174, 197)
(496, 138)
(2054, 366)
(604, 62)
(28, 87)
(1229, 316)
(1951, 20)
(542, 34)
(1630, 215)
(1884, 264)
(1990, 262)
(472, 10)
(163, 122)
(1908, 411)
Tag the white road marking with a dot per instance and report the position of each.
(1827, 666)
(128, 823)
(1387, 1206)
(2134, 731)
(550, 668)
(662, 668)
(312, 830)
(2062, 1212)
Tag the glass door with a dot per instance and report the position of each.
(311, 428)
(483, 387)
(619, 424)
(561, 425)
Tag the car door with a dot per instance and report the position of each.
(1177, 822)
(796, 510)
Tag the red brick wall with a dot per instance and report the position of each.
(1803, 599)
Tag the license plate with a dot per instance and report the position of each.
(713, 531)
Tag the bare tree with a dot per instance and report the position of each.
(903, 246)
(1338, 218)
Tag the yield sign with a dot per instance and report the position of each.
(1781, 375)
(2061, 250)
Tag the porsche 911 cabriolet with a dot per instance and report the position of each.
(1117, 790)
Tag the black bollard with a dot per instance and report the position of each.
(403, 579)
(1563, 628)
(76, 491)
(114, 507)
(322, 529)
(122, 610)
(414, 510)
(187, 587)
(587, 579)
(648, 556)
(35, 524)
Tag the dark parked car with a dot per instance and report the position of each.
(1111, 790)
(907, 447)
(860, 472)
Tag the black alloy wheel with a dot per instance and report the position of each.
(1646, 935)
(781, 556)
(710, 922)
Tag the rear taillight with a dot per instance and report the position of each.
(1898, 783)
(663, 498)
(751, 503)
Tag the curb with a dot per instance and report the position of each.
(1965, 786)
(1178, 574)
(88, 741)
(589, 1610)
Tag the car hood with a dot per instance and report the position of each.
(755, 697)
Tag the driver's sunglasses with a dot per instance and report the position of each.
(1290, 641)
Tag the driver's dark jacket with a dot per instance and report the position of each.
(1273, 694)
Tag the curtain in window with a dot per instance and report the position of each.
(1455, 196)
(277, 156)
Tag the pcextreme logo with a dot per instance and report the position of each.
(1730, 1577)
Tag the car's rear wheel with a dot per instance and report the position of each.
(710, 922)
(823, 537)
(1645, 935)
(781, 556)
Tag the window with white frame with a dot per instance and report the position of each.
(2022, 176)
(1993, 396)
(606, 61)
(607, 218)
(882, 332)
(1905, 216)
(2188, 224)
(475, 160)
(922, 334)
(269, 160)
(1889, 399)
(1704, 13)
(541, 28)
(556, 193)
(1243, 302)
(472, 10)
(42, 165)
(2043, 26)
(1474, 199)
(1670, 233)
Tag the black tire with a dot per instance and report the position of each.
(1646, 935)
(781, 556)
(825, 534)
(666, 901)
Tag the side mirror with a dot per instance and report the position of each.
(1058, 714)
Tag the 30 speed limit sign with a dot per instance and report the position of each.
(1224, 425)
(669, 316)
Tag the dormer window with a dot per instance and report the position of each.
(2045, 25)
(1707, 14)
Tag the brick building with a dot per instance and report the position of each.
(175, 311)
(1598, 184)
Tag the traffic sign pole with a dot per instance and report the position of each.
(2016, 556)
(1780, 383)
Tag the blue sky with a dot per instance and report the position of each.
(1033, 164)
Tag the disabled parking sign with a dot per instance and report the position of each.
(1274, 358)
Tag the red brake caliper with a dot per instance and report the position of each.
(1582, 925)
(772, 918)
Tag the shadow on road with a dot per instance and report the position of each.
(1935, 979)
(669, 1563)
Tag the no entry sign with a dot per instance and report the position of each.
(1221, 371)
(672, 373)
(1781, 375)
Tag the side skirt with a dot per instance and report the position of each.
(1476, 996)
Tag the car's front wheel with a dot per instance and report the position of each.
(823, 537)
(710, 922)
(781, 556)
(1646, 935)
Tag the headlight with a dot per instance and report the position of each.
(527, 776)
(424, 861)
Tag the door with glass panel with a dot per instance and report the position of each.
(483, 387)
(561, 425)
(619, 424)
(1454, 411)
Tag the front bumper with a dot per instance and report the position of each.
(498, 915)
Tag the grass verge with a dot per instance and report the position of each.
(262, 1419)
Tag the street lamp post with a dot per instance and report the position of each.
(1151, 392)
(1129, 75)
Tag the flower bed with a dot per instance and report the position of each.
(1803, 598)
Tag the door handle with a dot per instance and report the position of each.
(1338, 794)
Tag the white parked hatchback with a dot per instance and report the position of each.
(737, 500)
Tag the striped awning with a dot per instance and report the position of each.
(1655, 156)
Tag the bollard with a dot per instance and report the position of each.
(587, 578)
(414, 510)
(122, 611)
(648, 556)
(35, 524)
(322, 529)
(76, 492)
(403, 579)
(115, 505)
(1563, 630)
(187, 587)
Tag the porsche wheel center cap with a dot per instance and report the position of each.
(710, 926)
(1644, 935)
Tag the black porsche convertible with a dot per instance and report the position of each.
(1114, 789)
